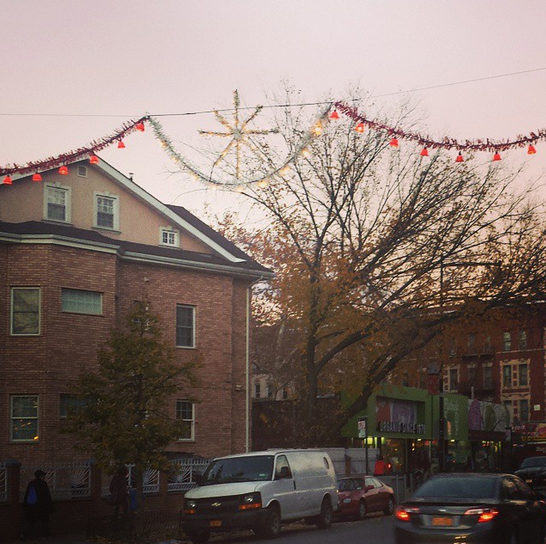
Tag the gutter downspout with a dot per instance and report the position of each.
(247, 364)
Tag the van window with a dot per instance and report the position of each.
(239, 469)
(282, 470)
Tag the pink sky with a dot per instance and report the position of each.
(109, 61)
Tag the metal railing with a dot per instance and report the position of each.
(3, 482)
(183, 475)
(66, 481)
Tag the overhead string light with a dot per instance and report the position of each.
(264, 179)
(427, 143)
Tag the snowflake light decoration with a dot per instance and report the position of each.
(239, 132)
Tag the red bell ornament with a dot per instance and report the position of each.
(394, 142)
(7, 180)
(459, 157)
(36, 177)
(531, 150)
(93, 159)
(63, 170)
(496, 157)
(121, 145)
(360, 128)
(334, 115)
(140, 126)
(424, 152)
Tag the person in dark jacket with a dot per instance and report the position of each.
(119, 490)
(37, 507)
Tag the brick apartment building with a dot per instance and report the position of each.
(76, 252)
(498, 358)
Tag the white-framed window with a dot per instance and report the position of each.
(24, 418)
(257, 390)
(57, 203)
(185, 411)
(25, 311)
(81, 302)
(185, 326)
(169, 237)
(518, 408)
(82, 171)
(106, 211)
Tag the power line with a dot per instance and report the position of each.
(301, 104)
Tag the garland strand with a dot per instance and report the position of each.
(80, 153)
(493, 146)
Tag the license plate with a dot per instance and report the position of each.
(442, 522)
(216, 523)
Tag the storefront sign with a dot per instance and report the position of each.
(400, 427)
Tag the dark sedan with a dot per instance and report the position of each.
(359, 495)
(472, 508)
(533, 472)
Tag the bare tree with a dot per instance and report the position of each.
(364, 240)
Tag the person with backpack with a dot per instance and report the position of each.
(37, 507)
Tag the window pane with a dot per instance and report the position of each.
(522, 339)
(105, 212)
(184, 411)
(523, 378)
(24, 418)
(25, 311)
(56, 203)
(507, 341)
(507, 376)
(185, 326)
(81, 302)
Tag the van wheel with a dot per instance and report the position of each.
(199, 537)
(361, 510)
(326, 516)
(271, 527)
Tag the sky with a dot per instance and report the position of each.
(73, 71)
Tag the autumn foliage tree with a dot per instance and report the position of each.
(370, 245)
(124, 418)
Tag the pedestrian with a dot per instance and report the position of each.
(119, 490)
(380, 466)
(37, 507)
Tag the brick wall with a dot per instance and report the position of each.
(49, 364)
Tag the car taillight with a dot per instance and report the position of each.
(403, 513)
(485, 514)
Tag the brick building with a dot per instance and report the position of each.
(76, 252)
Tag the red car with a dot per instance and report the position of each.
(360, 495)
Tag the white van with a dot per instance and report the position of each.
(259, 491)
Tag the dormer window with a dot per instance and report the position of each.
(106, 212)
(57, 203)
(169, 237)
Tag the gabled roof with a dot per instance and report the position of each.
(226, 256)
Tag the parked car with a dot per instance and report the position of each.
(477, 508)
(533, 472)
(359, 495)
(259, 491)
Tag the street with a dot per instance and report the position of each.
(374, 529)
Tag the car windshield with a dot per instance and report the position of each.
(458, 488)
(239, 469)
(531, 462)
